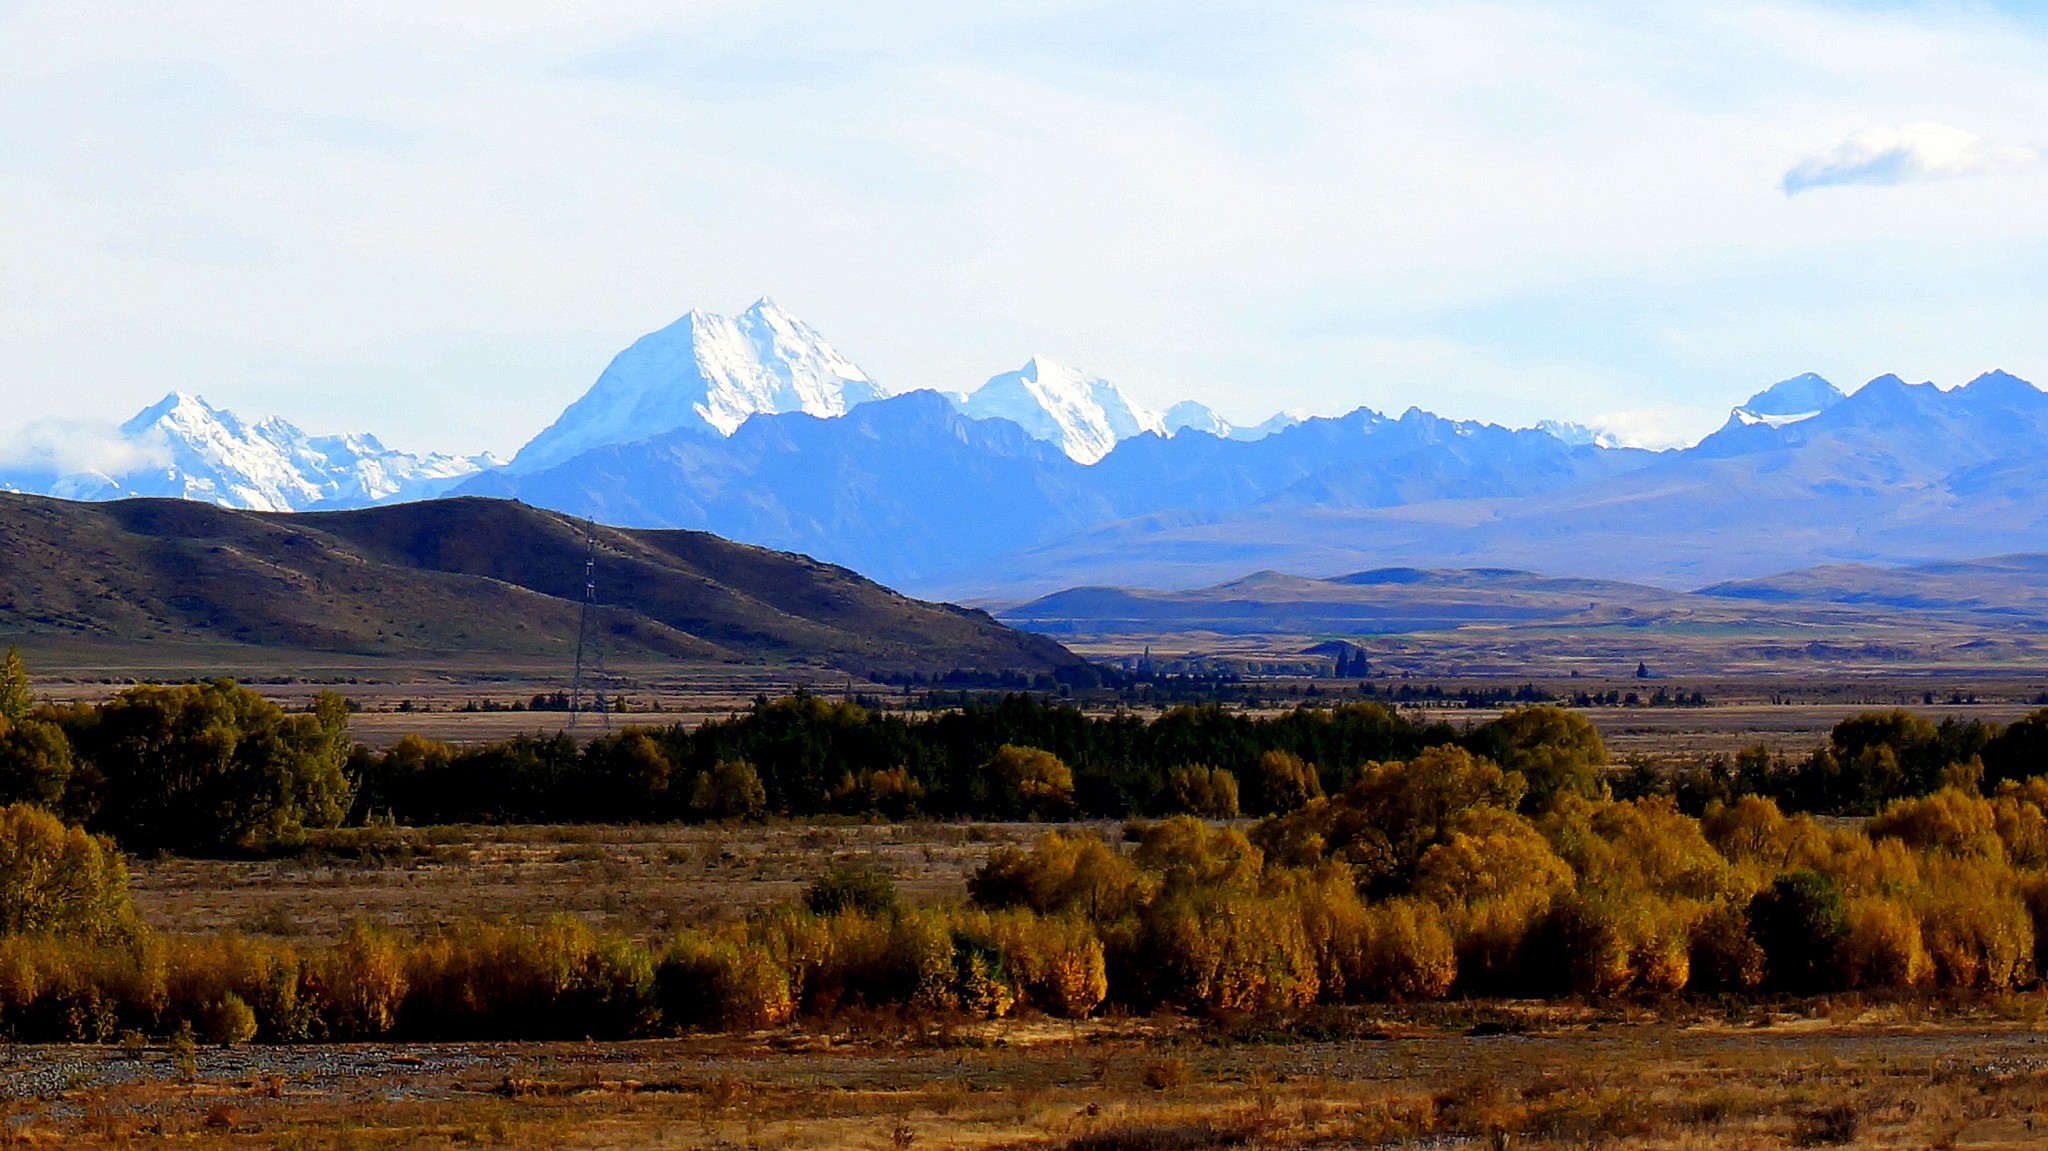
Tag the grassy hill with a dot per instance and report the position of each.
(461, 577)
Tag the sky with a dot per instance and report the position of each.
(438, 222)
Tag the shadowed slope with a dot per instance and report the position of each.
(466, 576)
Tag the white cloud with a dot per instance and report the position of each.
(1924, 151)
(438, 222)
(61, 447)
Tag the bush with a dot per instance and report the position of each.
(1883, 945)
(1286, 782)
(57, 880)
(1556, 752)
(1058, 964)
(1061, 873)
(730, 790)
(1030, 782)
(227, 1021)
(1722, 955)
(560, 980)
(851, 887)
(1407, 953)
(721, 983)
(1199, 790)
(1948, 821)
(1223, 950)
(1383, 823)
(357, 986)
(1801, 925)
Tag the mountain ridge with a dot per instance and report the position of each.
(467, 577)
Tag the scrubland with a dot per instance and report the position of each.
(1416, 933)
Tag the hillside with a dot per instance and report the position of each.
(473, 577)
(1846, 617)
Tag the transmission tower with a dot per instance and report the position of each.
(586, 641)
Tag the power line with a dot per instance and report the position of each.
(586, 642)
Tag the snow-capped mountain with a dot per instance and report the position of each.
(705, 373)
(1085, 416)
(184, 447)
(1189, 416)
(1576, 433)
(1788, 402)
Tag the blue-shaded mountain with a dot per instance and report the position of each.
(1895, 473)
(909, 491)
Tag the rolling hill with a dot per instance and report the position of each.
(469, 577)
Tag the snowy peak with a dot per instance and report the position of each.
(1577, 435)
(183, 447)
(1085, 416)
(1789, 401)
(708, 373)
(1190, 416)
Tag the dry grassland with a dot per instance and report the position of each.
(1560, 1078)
(645, 882)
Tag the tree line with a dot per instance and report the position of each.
(217, 768)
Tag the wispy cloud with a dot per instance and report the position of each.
(73, 447)
(1925, 151)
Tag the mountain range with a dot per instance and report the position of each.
(1046, 478)
(184, 448)
(457, 578)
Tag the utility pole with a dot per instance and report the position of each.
(584, 640)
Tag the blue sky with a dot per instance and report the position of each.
(437, 222)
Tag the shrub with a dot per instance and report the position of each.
(1407, 953)
(1976, 927)
(722, 983)
(227, 1021)
(1721, 954)
(1030, 782)
(1286, 783)
(1201, 790)
(1948, 821)
(1489, 855)
(559, 980)
(58, 880)
(1557, 752)
(1189, 853)
(1061, 873)
(1226, 950)
(1057, 963)
(892, 792)
(1800, 924)
(861, 888)
(1383, 823)
(730, 790)
(358, 985)
(2020, 813)
(37, 766)
(1883, 945)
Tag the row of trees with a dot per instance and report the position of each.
(215, 767)
(1429, 877)
(1868, 761)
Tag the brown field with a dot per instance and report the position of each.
(1842, 1073)
(641, 881)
